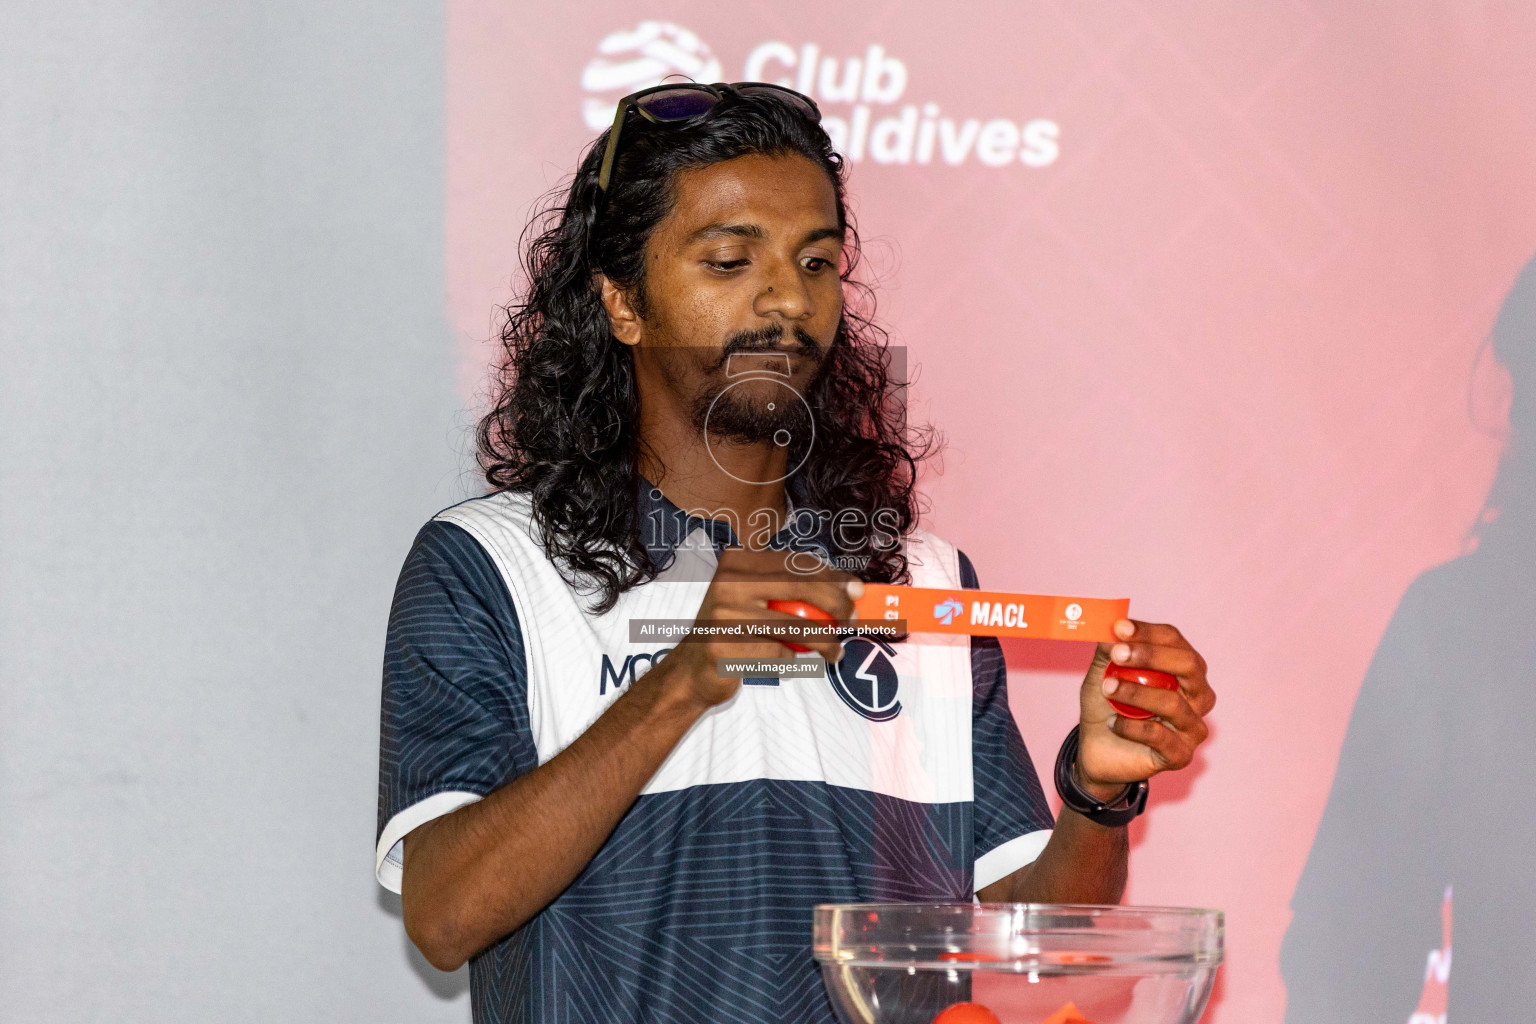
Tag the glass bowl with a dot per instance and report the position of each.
(1017, 963)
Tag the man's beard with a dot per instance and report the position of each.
(741, 415)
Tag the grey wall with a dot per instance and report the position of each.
(227, 402)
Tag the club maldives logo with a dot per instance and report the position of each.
(627, 62)
(863, 98)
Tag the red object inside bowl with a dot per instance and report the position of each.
(977, 958)
(966, 1013)
(1067, 1015)
(1144, 676)
(805, 610)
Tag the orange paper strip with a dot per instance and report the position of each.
(993, 612)
(1068, 1014)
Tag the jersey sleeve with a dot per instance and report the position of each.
(1013, 821)
(454, 722)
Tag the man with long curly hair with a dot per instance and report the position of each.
(693, 420)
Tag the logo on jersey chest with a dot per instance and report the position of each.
(866, 679)
(622, 675)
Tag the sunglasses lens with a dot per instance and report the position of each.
(677, 104)
(794, 99)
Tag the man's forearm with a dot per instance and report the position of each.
(1083, 863)
(479, 873)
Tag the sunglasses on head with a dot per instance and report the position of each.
(688, 103)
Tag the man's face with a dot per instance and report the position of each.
(740, 277)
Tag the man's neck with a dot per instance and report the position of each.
(692, 481)
(712, 481)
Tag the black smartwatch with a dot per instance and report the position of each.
(1111, 813)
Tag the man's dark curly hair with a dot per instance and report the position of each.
(564, 423)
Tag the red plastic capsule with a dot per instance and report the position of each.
(1144, 676)
(966, 1013)
(805, 610)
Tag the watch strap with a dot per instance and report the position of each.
(1121, 810)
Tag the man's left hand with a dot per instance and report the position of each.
(1114, 750)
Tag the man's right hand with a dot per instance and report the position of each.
(473, 876)
(744, 582)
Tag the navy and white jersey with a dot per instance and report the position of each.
(899, 775)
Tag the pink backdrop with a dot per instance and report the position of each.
(1200, 327)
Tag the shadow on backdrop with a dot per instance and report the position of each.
(446, 985)
(1429, 819)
